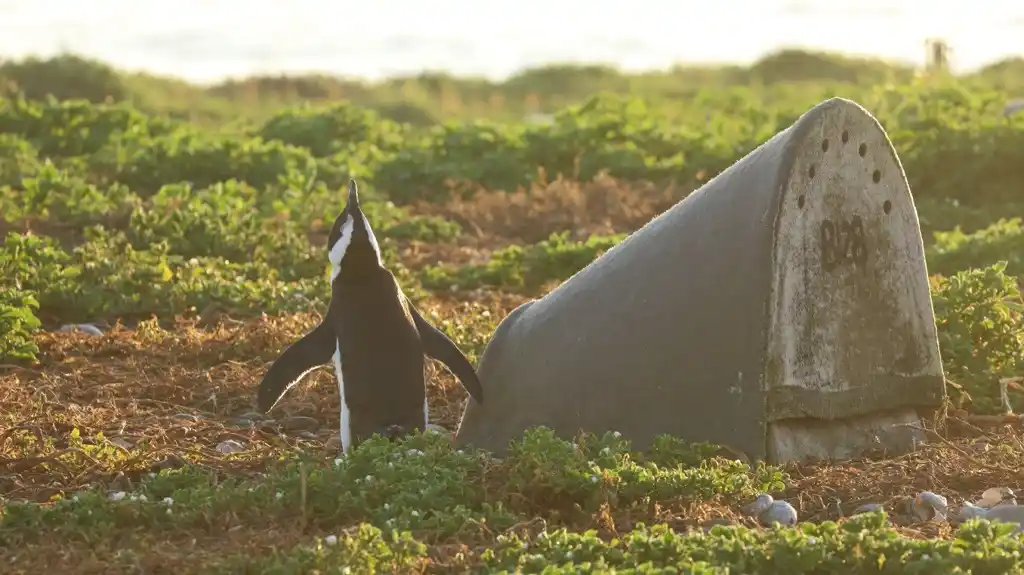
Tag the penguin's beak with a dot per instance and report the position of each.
(353, 195)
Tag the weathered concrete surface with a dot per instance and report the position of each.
(782, 310)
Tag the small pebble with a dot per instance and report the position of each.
(997, 496)
(252, 416)
(268, 425)
(869, 508)
(299, 423)
(230, 446)
(435, 428)
(120, 443)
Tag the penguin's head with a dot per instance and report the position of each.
(351, 245)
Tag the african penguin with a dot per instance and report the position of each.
(375, 338)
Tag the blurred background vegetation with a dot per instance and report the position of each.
(787, 75)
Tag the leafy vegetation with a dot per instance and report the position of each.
(195, 238)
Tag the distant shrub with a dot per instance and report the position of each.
(65, 77)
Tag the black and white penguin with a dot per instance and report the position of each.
(375, 337)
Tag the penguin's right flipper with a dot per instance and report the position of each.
(438, 346)
(312, 351)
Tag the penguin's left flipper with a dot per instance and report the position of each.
(313, 350)
(438, 346)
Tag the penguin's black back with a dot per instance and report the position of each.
(381, 353)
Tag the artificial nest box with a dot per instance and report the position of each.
(782, 310)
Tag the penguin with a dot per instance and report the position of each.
(375, 338)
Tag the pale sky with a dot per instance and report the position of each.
(207, 40)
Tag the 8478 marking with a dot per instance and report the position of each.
(842, 243)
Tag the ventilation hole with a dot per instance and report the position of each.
(876, 176)
(824, 145)
(862, 149)
(800, 203)
(886, 207)
(846, 136)
(811, 171)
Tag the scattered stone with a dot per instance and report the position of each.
(120, 443)
(249, 418)
(307, 435)
(434, 428)
(731, 454)
(253, 416)
(121, 482)
(210, 315)
(229, 446)
(299, 423)
(868, 508)
(706, 526)
(269, 425)
(87, 328)
(170, 462)
(333, 443)
(995, 496)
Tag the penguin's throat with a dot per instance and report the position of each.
(358, 267)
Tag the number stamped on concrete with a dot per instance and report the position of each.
(842, 242)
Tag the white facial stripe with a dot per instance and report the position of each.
(373, 240)
(337, 252)
(344, 421)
